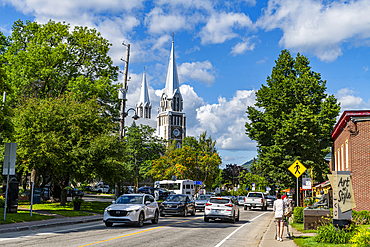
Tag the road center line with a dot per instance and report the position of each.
(134, 233)
(237, 229)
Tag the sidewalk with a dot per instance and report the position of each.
(269, 237)
(59, 221)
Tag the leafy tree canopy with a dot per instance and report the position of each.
(47, 60)
(64, 138)
(192, 161)
(292, 119)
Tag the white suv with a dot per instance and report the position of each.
(221, 208)
(132, 208)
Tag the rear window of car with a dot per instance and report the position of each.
(259, 195)
(219, 200)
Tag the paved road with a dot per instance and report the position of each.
(171, 231)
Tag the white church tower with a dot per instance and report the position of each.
(171, 124)
(144, 107)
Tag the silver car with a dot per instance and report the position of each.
(201, 201)
(132, 208)
(221, 208)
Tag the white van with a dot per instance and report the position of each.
(177, 187)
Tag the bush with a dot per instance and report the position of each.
(2, 202)
(329, 234)
(362, 238)
(363, 217)
(298, 214)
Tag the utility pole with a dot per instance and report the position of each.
(122, 96)
(124, 91)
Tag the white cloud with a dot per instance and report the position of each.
(225, 121)
(349, 101)
(159, 22)
(198, 71)
(219, 27)
(246, 45)
(318, 27)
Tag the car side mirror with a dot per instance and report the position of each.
(113, 202)
(147, 202)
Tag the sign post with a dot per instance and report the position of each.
(9, 167)
(297, 169)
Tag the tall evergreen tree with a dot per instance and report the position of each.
(292, 119)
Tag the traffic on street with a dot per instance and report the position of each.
(175, 230)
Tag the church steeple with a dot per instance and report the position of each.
(171, 124)
(172, 80)
(144, 107)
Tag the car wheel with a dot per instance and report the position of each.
(193, 212)
(155, 220)
(185, 213)
(233, 218)
(140, 221)
(237, 218)
(108, 224)
(206, 219)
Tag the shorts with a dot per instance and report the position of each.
(279, 219)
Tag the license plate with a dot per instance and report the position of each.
(253, 205)
(217, 210)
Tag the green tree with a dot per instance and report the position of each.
(196, 159)
(292, 119)
(47, 60)
(141, 147)
(64, 138)
(5, 124)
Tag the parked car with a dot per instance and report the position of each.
(221, 208)
(270, 200)
(132, 208)
(88, 188)
(180, 204)
(201, 201)
(255, 200)
(241, 200)
(76, 192)
(101, 188)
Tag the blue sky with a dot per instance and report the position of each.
(224, 51)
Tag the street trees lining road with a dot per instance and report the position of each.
(292, 119)
(183, 163)
(60, 137)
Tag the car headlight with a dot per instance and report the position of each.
(182, 204)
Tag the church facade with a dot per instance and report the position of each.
(171, 121)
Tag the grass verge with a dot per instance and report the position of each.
(300, 227)
(67, 210)
(22, 216)
(306, 241)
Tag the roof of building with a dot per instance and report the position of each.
(346, 116)
(172, 79)
(144, 95)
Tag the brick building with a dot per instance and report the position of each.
(351, 152)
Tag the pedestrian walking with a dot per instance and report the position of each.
(287, 213)
(279, 206)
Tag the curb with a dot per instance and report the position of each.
(44, 225)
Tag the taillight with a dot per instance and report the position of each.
(229, 205)
(208, 204)
(261, 200)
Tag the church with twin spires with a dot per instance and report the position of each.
(171, 121)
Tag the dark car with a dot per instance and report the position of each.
(75, 192)
(270, 200)
(178, 204)
(162, 193)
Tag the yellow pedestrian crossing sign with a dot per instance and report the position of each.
(297, 168)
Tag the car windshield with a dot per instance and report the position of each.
(130, 200)
(219, 200)
(176, 198)
(259, 195)
(203, 197)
